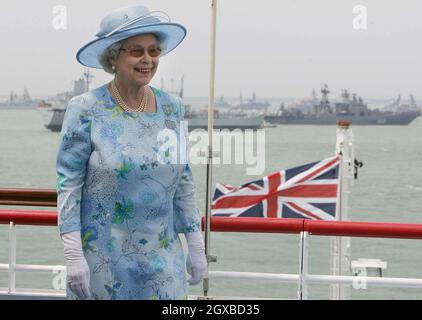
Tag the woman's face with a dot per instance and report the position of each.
(137, 70)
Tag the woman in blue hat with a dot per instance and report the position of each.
(125, 190)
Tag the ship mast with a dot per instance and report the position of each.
(181, 87)
(26, 97)
(397, 103)
(171, 90)
(88, 78)
(412, 102)
(325, 103)
(346, 95)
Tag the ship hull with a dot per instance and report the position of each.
(55, 124)
(378, 119)
(18, 106)
(226, 123)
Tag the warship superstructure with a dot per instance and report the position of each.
(351, 108)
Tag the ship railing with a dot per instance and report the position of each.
(305, 229)
(24, 198)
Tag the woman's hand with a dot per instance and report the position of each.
(78, 278)
(196, 262)
(78, 274)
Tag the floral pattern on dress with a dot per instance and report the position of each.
(122, 189)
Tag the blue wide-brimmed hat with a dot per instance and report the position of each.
(127, 22)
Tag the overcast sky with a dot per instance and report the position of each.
(277, 48)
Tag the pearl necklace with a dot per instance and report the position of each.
(147, 93)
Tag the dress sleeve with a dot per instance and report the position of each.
(187, 216)
(72, 157)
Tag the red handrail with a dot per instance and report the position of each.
(321, 228)
(29, 217)
(364, 229)
(257, 225)
(28, 197)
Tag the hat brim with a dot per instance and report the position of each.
(172, 34)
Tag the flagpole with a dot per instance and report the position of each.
(336, 243)
(340, 246)
(210, 152)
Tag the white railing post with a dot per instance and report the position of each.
(302, 292)
(12, 258)
(341, 246)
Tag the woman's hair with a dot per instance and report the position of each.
(112, 52)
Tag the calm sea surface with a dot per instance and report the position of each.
(389, 189)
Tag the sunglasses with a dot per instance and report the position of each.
(153, 51)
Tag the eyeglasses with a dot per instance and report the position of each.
(153, 51)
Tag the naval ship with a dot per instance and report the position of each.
(19, 102)
(253, 104)
(199, 120)
(196, 119)
(54, 114)
(350, 108)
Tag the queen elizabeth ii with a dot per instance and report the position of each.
(123, 198)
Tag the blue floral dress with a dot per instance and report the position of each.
(123, 181)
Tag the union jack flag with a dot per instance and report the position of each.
(309, 191)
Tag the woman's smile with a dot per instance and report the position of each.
(143, 71)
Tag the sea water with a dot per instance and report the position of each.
(388, 189)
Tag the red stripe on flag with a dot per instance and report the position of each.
(253, 187)
(237, 202)
(228, 187)
(274, 181)
(310, 191)
(308, 213)
(309, 176)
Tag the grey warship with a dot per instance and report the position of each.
(199, 120)
(195, 119)
(59, 103)
(16, 102)
(351, 109)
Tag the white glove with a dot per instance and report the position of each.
(76, 266)
(196, 262)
